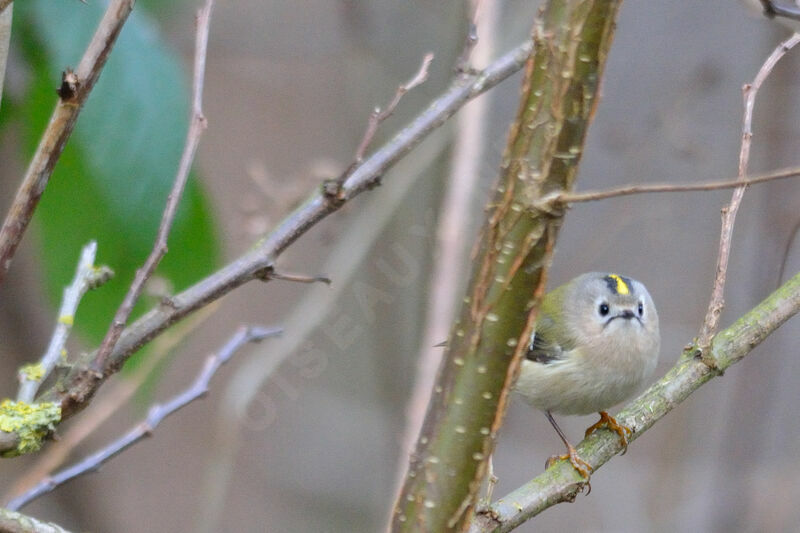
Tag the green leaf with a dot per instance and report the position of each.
(112, 180)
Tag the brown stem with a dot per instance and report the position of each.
(590, 196)
(375, 118)
(196, 128)
(62, 121)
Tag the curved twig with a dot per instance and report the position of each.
(156, 414)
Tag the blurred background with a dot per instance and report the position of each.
(314, 444)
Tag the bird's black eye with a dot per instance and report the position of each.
(641, 308)
(603, 309)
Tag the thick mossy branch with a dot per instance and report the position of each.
(13, 522)
(559, 94)
(31, 422)
(562, 483)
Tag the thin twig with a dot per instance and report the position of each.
(197, 126)
(377, 116)
(562, 483)
(717, 302)
(79, 385)
(58, 131)
(471, 37)
(155, 415)
(548, 202)
(297, 278)
(98, 412)
(87, 276)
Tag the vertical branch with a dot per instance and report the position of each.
(196, 128)
(717, 302)
(87, 276)
(487, 343)
(73, 93)
(452, 258)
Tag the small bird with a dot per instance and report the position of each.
(595, 344)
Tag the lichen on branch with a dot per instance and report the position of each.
(31, 422)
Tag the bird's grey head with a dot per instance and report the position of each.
(606, 305)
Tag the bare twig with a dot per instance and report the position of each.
(13, 522)
(79, 385)
(375, 118)
(58, 131)
(717, 302)
(561, 482)
(549, 201)
(197, 126)
(113, 398)
(471, 37)
(87, 276)
(297, 278)
(4, 4)
(156, 414)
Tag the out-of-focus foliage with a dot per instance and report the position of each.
(113, 178)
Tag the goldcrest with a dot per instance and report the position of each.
(596, 342)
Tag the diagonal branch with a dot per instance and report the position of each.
(79, 385)
(196, 127)
(156, 414)
(72, 95)
(87, 276)
(561, 483)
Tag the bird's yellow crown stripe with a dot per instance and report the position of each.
(622, 287)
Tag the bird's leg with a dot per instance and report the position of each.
(583, 468)
(608, 421)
